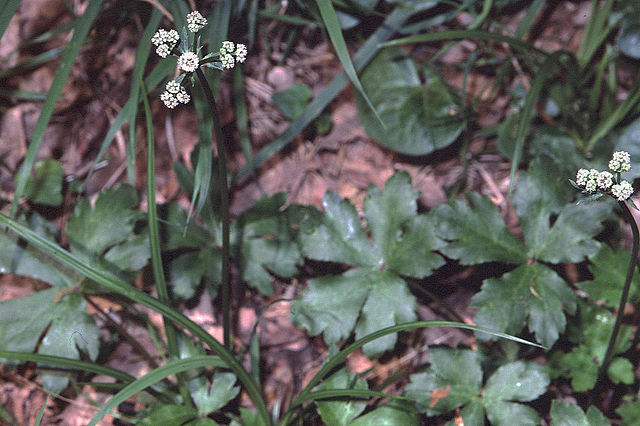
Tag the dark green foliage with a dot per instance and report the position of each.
(292, 101)
(418, 119)
(372, 295)
(455, 379)
(564, 413)
(45, 185)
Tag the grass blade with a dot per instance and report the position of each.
(142, 54)
(41, 413)
(242, 117)
(31, 64)
(393, 22)
(62, 73)
(154, 377)
(7, 10)
(115, 284)
(346, 393)
(330, 19)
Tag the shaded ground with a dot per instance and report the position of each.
(345, 161)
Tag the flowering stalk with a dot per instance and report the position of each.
(190, 63)
(598, 183)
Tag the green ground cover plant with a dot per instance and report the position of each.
(549, 332)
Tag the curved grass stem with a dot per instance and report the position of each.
(224, 207)
(625, 290)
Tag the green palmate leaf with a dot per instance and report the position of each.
(169, 415)
(582, 363)
(565, 414)
(293, 100)
(372, 295)
(187, 271)
(630, 413)
(530, 292)
(621, 371)
(392, 414)
(418, 118)
(45, 185)
(93, 229)
(454, 380)
(17, 258)
(131, 255)
(71, 329)
(608, 268)
(267, 243)
(341, 413)
(476, 233)
(22, 321)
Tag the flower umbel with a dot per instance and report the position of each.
(621, 162)
(174, 94)
(605, 180)
(195, 21)
(188, 62)
(622, 191)
(165, 41)
(231, 53)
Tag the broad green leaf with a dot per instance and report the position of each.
(630, 413)
(373, 295)
(387, 212)
(567, 414)
(628, 38)
(267, 243)
(391, 414)
(570, 239)
(174, 230)
(211, 399)
(389, 303)
(476, 232)
(581, 364)
(71, 329)
(44, 186)
(23, 319)
(341, 413)
(248, 418)
(558, 152)
(336, 236)
(530, 292)
(185, 273)
(93, 229)
(332, 304)
(293, 100)
(169, 415)
(609, 269)
(454, 379)
(131, 255)
(621, 371)
(20, 259)
(419, 119)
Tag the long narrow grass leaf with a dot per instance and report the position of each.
(62, 73)
(139, 64)
(527, 21)
(115, 284)
(345, 393)
(153, 377)
(330, 19)
(7, 11)
(161, 70)
(41, 412)
(370, 48)
(466, 34)
(242, 117)
(31, 64)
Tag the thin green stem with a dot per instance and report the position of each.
(224, 207)
(625, 290)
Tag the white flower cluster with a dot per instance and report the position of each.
(165, 41)
(621, 162)
(195, 21)
(188, 62)
(231, 53)
(592, 180)
(174, 95)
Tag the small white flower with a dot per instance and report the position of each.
(582, 176)
(241, 52)
(163, 50)
(182, 96)
(169, 100)
(622, 191)
(620, 162)
(195, 21)
(165, 41)
(188, 62)
(173, 87)
(227, 61)
(605, 180)
(590, 186)
(228, 47)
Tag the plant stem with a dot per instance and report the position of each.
(625, 290)
(224, 207)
